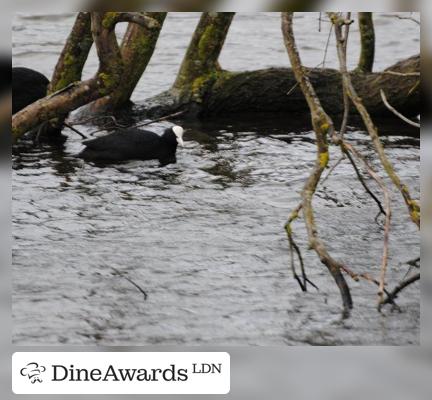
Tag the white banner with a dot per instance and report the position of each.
(120, 373)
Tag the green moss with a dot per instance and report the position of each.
(109, 82)
(415, 215)
(206, 38)
(108, 20)
(324, 159)
(325, 127)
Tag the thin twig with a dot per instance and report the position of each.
(393, 295)
(40, 129)
(362, 181)
(400, 73)
(176, 114)
(321, 64)
(332, 169)
(120, 273)
(94, 118)
(414, 263)
(369, 278)
(381, 184)
(395, 112)
(75, 130)
(142, 124)
(346, 101)
(408, 18)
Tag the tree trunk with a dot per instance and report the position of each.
(137, 49)
(367, 40)
(106, 81)
(74, 55)
(267, 91)
(200, 64)
(75, 95)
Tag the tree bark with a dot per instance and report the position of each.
(79, 93)
(323, 127)
(137, 49)
(267, 91)
(367, 40)
(74, 55)
(200, 64)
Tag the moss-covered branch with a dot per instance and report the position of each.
(323, 126)
(201, 59)
(413, 206)
(140, 18)
(74, 55)
(136, 50)
(367, 40)
(80, 93)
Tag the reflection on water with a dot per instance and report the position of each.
(203, 237)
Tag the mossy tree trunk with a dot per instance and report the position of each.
(367, 39)
(136, 49)
(77, 94)
(70, 64)
(74, 55)
(200, 65)
(275, 90)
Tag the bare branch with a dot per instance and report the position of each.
(392, 296)
(387, 212)
(401, 73)
(407, 18)
(323, 125)
(397, 113)
(412, 205)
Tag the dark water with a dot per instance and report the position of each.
(204, 237)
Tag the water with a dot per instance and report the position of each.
(203, 238)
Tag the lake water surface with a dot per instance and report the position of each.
(204, 237)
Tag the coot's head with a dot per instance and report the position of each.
(178, 132)
(175, 134)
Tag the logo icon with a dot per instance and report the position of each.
(33, 370)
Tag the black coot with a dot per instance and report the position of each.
(134, 144)
(27, 87)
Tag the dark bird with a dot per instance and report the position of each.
(27, 87)
(134, 144)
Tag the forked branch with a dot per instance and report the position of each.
(323, 126)
(412, 205)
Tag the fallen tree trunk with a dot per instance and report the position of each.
(276, 90)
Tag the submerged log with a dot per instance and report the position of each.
(275, 90)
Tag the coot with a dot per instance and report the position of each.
(28, 86)
(134, 144)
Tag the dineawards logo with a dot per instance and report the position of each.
(33, 371)
(111, 374)
(121, 373)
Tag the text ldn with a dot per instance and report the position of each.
(72, 374)
(204, 368)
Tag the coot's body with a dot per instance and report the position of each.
(134, 144)
(27, 87)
